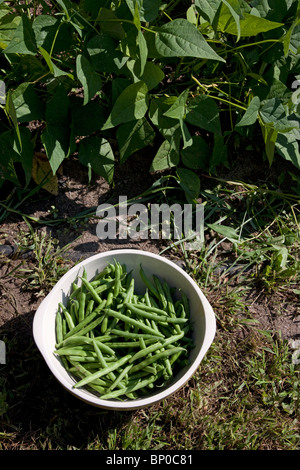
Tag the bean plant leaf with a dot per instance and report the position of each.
(251, 114)
(180, 38)
(25, 152)
(45, 29)
(270, 137)
(89, 79)
(87, 119)
(7, 158)
(203, 112)
(190, 183)
(110, 24)
(56, 71)
(250, 25)
(148, 9)
(133, 136)
(28, 105)
(208, 8)
(103, 53)
(8, 25)
(167, 155)
(152, 74)
(196, 156)
(23, 40)
(11, 111)
(130, 105)
(97, 152)
(287, 145)
(56, 140)
(273, 113)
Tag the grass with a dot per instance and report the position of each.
(244, 396)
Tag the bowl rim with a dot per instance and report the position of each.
(84, 395)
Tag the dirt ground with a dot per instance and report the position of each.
(280, 312)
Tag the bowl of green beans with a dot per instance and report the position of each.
(124, 329)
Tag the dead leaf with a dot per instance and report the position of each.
(41, 171)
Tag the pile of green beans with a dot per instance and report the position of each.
(119, 344)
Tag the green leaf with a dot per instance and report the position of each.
(103, 54)
(57, 107)
(89, 79)
(56, 71)
(23, 40)
(133, 136)
(168, 127)
(56, 140)
(196, 156)
(235, 11)
(110, 24)
(28, 106)
(8, 25)
(203, 112)
(167, 156)
(148, 9)
(152, 74)
(273, 113)
(86, 119)
(180, 38)
(208, 9)
(130, 105)
(251, 114)
(56, 135)
(7, 157)
(177, 108)
(270, 136)
(219, 154)
(287, 145)
(177, 111)
(250, 25)
(225, 231)
(143, 51)
(190, 183)
(97, 152)
(25, 153)
(11, 111)
(45, 29)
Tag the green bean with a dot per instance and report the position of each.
(148, 283)
(81, 306)
(144, 311)
(78, 339)
(154, 347)
(80, 326)
(130, 388)
(101, 359)
(160, 291)
(67, 315)
(128, 334)
(156, 357)
(92, 291)
(117, 284)
(131, 321)
(119, 378)
(104, 371)
(59, 327)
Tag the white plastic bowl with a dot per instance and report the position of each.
(202, 317)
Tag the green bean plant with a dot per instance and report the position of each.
(195, 82)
